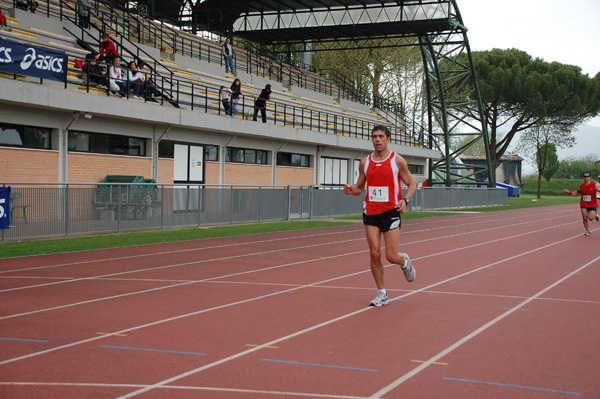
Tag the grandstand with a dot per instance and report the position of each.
(75, 132)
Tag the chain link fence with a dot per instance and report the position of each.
(41, 210)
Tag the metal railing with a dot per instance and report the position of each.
(62, 210)
(161, 34)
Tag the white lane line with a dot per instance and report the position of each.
(332, 321)
(182, 388)
(478, 331)
(240, 302)
(229, 245)
(77, 279)
(263, 269)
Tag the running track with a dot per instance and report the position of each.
(505, 305)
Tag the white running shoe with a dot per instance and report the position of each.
(587, 233)
(408, 269)
(380, 299)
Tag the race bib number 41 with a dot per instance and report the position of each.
(379, 194)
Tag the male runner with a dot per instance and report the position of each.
(382, 172)
(598, 200)
(587, 191)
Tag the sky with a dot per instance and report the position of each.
(553, 30)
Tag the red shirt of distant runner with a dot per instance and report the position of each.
(588, 195)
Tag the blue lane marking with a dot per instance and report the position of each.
(512, 386)
(23, 339)
(320, 365)
(153, 350)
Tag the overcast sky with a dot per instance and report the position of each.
(553, 30)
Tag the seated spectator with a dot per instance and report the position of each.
(149, 87)
(2, 19)
(135, 80)
(108, 50)
(27, 5)
(94, 72)
(118, 85)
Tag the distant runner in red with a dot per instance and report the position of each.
(597, 199)
(588, 200)
(383, 172)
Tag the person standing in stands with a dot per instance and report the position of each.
(236, 90)
(224, 94)
(383, 173)
(261, 103)
(83, 11)
(108, 50)
(588, 203)
(227, 52)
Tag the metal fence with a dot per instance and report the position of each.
(53, 210)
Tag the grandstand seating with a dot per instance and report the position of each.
(188, 69)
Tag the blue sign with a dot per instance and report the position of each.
(4, 207)
(25, 59)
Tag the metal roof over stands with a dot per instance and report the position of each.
(313, 20)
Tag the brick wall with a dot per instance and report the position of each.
(294, 176)
(94, 167)
(26, 165)
(239, 173)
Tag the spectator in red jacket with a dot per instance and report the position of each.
(2, 19)
(108, 50)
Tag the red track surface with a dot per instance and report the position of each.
(505, 305)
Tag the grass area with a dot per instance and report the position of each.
(556, 186)
(13, 249)
(524, 201)
(37, 247)
(530, 201)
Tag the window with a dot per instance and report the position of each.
(25, 136)
(166, 150)
(333, 171)
(416, 169)
(289, 159)
(245, 155)
(106, 144)
(211, 153)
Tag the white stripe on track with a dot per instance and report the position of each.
(478, 331)
(238, 302)
(332, 321)
(229, 245)
(77, 279)
(182, 388)
(256, 270)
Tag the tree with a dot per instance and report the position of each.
(574, 167)
(519, 93)
(540, 143)
(547, 162)
(392, 73)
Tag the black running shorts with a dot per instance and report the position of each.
(386, 221)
